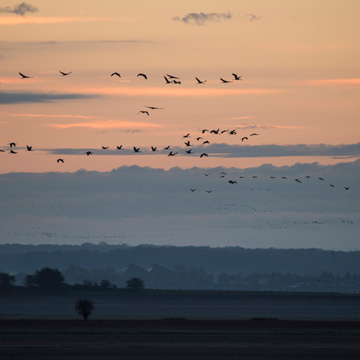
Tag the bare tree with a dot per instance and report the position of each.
(84, 307)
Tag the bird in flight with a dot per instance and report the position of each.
(332, 185)
(225, 81)
(12, 144)
(144, 112)
(192, 190)
(208, 191)
(172, 154)
(204, 154)
(199, 81)
(167, 147)
(29, 148)
(254, 134)
(143, 75)
(104, 147)
(232, 182)
(216, 132)
(167, 81)
(176, 82)
(119, 147)
(172, 76)
(153, 107)
(188, 151)
(153, 148)
(236, 77)
(64, 73)
(88, 153)
(299, 181)
(60, 160)
(204, 130)
(346, 187)
(24, 76)
(115, 73)
(320, 178)
(187, 143)
(136, 149)
(206, 142)
(198, 138)
(232, 132)
(187, 135)
(13, 152)
(206, 174)
(244, 138)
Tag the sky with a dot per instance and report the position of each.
(298, 64)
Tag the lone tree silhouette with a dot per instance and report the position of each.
(84, 307)
(6, 280)
(135, 284)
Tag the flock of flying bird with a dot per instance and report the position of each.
(171, 79)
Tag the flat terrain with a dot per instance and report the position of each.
(188, 304)
(178, 339)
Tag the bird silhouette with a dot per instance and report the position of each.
(208, 191)
(143, 75)
(24, 76)
(172, 154)
(153, 148)
(204, 154)
(320, 178)
(12, 144)
(154, 107)
(206, 174)
(254, 134)
(299, 181)
(232, 182)
(29, 148)
(115, 73)
(192, 190)
(346, 187)
(244, 138)
(236, 77)
(206, 142)
(88, 153)
(225, 81)
(167, 81)
(224, 131)
(332, 185)
(199, 81)
(119, 147)
(176, 82)
(187, 143)
(144, 112)
(167, 147)
(136, 149)
(64, 73)
(172, 76)
(232, 132)
(216, 132)
(187, 135)
(188, 151)
(198, 138)
(204, 131)
(60, 160)
(284, 177)
(104, 147)
(13, 152)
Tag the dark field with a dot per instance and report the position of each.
(188, 304)
(179, 339)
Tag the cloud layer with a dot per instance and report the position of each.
(203, 18)
(19, 9)
(15, 97)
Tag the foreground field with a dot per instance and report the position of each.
(179, 339)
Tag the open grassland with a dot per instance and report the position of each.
(178, 339)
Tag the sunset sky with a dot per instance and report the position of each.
(300, 88)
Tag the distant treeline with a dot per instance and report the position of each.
(16, 258)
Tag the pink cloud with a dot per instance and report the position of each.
(38, 20)
(173, 91)
(108, 124)
(53, 116)
(326, 82)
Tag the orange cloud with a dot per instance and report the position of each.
(173, 91)
(109, 124)
(38, 20)
(325, 82)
